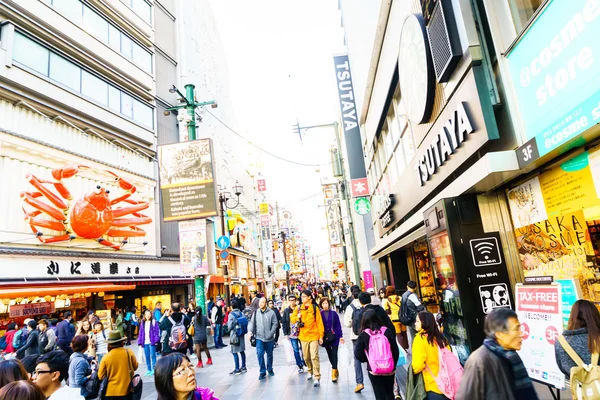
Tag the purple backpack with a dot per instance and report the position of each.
(379, 355)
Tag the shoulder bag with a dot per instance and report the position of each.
(137, 385)
(329, 337)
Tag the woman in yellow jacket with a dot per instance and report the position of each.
(311, 335)
(391, 305)
(425, 353)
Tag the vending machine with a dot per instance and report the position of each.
(469, 270)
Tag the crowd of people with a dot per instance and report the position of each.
(88, 360)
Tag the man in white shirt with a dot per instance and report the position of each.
(51, 370)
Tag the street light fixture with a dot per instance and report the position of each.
(226, 204)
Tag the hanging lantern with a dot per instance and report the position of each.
(88, 294)
(76, 296)
(32, 299)
(48, 298)
(5, 301)
(100, 294)
(19, 300)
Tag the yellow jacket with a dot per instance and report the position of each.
(115, 364)
(313, 323)
(392, 304)
(425, 353)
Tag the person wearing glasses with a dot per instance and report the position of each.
(51, 370)
(289, 324)
(175, 378)
(119, 364)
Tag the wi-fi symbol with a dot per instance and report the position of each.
(484, 248)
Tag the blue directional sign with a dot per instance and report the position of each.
(224, 255)
(223, 242)
(287, 267)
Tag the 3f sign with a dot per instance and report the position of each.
(527, 153)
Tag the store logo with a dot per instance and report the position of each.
(494, 296)
(385, 213)
(485, 252)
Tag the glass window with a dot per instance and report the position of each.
(142, 58)
(522, 11)
(114, 99)
(142, 9)
(70, 9)
(114, 38)
(95, 24)
(391, 138)
(126, 105)
(65, 72)
(381, 152)
(31, 54)
(94, 88)
(393, 171)
(126, 46)
(409, 144)
(376, 165)
(400, 160)
(142, 114)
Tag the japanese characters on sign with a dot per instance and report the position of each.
(360, 187)
(261, 185)
(337, 254)
(92, 268)
(332, 214)
(263, 208)
(28, 310)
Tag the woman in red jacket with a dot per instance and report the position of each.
(9, 336)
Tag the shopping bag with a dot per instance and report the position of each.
(402, 360)
(345, 355)
(289, 351)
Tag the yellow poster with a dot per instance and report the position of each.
(263, 208)
(559, 246)
(568, 187)
(105, 317)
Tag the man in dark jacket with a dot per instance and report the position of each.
(365, 301)
(65, 331)
(176, 315)
(495, 370)
(31, 346)
(415, 306)
(286, 324)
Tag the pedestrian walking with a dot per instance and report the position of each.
(120, 324)
(65, 331)
(352, 319)
(118, 365)
(254, 302)
(131, 323)
(175, 324)
(201, 323)
(289, 324)
(310, 335)
(263, 326)
(148, 337)
(217, 320)
(238, 350)
(582, 336)
(271, 305)
(391, 305)
(51, 370)
(47, 338)
(175, 379)
(365, 301)
(32, 345)
(505, 376)
(100, 335)
(376, 346)
(409, 308)
(79, 367)
(332, 336)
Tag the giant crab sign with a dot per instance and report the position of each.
(89, 217)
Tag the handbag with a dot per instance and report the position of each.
(91, 388)
(192, 328)
(234, 338)
(329, 337)
(137, 385)
(253, 341)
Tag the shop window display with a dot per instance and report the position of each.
(425, 276)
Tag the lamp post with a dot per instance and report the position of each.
(287, 273)
(225, 204)
(190, 105)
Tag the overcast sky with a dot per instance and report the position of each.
(279, 56)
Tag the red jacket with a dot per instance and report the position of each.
(9, 341)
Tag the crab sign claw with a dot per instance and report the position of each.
(68, 171)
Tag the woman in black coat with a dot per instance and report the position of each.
(278, 315)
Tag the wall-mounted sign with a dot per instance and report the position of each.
(362, 205)
(555, 73)
(30, 310)
(360, 187)
(385, 213)
(263, 208)
(332, 214)
(485, 251)
(495, 295)
(187, 181)
(192, 247)
(261, 185)
(337, 254)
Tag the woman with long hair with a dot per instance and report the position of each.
(201, 323)
(79, 367)
(582, 334)
(12, 370)
(425, 351)
(333, 327)
(86, 328)
(148, 337)
(21, 390)
(175, 379)
(383, 385)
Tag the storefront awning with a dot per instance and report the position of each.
(12, 293)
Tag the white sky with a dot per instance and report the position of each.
(280, 59)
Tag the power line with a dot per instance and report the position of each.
(263, 150)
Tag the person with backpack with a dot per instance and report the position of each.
(47, 339)
(391, 305)
(376, 346)
(238, 328)
(577, 345)
(65, 332)
(148, 337)
(352, 319)
(432, 357)
(263, 326)
(11, 330)
(310, 335)
(20, 337)
(176, 324)
(495, 370)
(32, 344)
(201, 323)
(365, 301)
(332, 335)
(410, 306)
(100, 338)
(289, 325)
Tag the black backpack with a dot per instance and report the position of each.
(357, 314)
(407, 315)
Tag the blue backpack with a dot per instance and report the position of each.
(242, 324)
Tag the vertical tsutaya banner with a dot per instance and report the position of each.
(187, 181)
(333, 216)
(192, 247)
(349, 114)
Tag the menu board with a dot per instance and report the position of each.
(424, 273)
(104, 316)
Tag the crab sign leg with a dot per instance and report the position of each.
(122, 222)
(125, 185)
(119, 212)
(44, 223)
(134, 232)
(109, 244)
(54, 199)
(40, 205)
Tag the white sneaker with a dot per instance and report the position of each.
(193, 356)
(317, 383)
(309, 377)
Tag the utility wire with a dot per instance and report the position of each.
(263, 150)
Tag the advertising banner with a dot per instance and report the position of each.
(337, 254)
(332, 213)
(540, 313)
(192, 247)
(571, 292)
(105, 318)
(368, 278)
(242, 267)
(555, 70)
(187, 181)
(29, 310)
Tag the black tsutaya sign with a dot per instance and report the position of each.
(349, 117)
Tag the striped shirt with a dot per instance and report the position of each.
(101, 345)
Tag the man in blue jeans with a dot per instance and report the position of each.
(217, 320)
(289, 324)
(263, 327)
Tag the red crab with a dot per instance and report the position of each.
(89, 217)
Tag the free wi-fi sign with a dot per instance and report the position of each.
(485, 251)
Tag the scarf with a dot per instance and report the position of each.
(522, 386)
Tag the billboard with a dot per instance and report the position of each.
(192, 247)
(187, 181)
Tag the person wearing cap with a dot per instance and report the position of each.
(116, 366)
(375, 300)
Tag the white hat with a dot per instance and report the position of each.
(371, 290)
